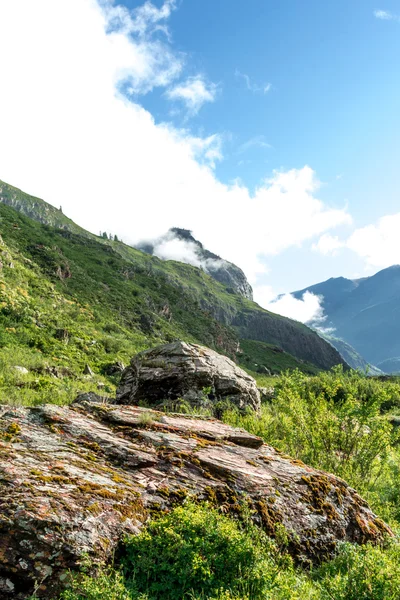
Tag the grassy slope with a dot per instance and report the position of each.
(256, 355)
(53, 280)
(113, 301)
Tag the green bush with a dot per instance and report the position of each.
(196, 550)
(196, 553)
(361, 573)
(332, 421)
(109, 584)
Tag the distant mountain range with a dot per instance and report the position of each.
(365, 313)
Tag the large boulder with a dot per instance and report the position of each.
(189, 371)
(74, 481)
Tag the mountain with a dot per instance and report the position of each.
(366, 314)
(221, 270)
(38, 209)
(350, 355)
(72, 302)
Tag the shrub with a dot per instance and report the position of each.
(361, 573)
(109, 584)
(196, 550)
(332, 422)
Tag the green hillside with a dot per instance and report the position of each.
(71, 300)
(258, 356)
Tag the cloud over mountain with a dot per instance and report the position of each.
(73, 132)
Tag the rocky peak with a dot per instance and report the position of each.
(221, 270)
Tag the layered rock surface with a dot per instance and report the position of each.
(189, 371)
(75, 480)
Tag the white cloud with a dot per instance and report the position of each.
(308, 309)
(208, 150)
(257, 141)
(386, 15)
(172, 248)
(263, 294)
(194, 92)
(251, 86)
(328, 244)
(379, 244)
(69, 137)
(152, 62)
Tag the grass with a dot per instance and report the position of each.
(68, 300)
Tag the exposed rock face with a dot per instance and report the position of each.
(219, 269)
(74, 481)
(292, 337)
(181, 370)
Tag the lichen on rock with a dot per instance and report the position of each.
(75, 480)
(188, 371)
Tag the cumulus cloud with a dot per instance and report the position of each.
(308, 309)
(194, 92)
(173, 247)
(151, 60)
(264, 88)
(378, 244)
(328, 244)
(69, 136)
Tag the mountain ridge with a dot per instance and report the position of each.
(365, 313)
(144, 299)
(220, 269)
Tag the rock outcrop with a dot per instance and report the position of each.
(74, 481)
(188, 371)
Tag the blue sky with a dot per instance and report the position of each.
(271, 128)
(334, 97)
(333, 102)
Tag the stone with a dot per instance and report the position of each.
(75, 480)
(21, 370)
(62, 334)
(114, 368)
(189, 371)
(54, 371)
(266, 393)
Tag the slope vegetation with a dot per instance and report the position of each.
(72, 302)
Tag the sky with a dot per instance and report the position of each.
(270, 128)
